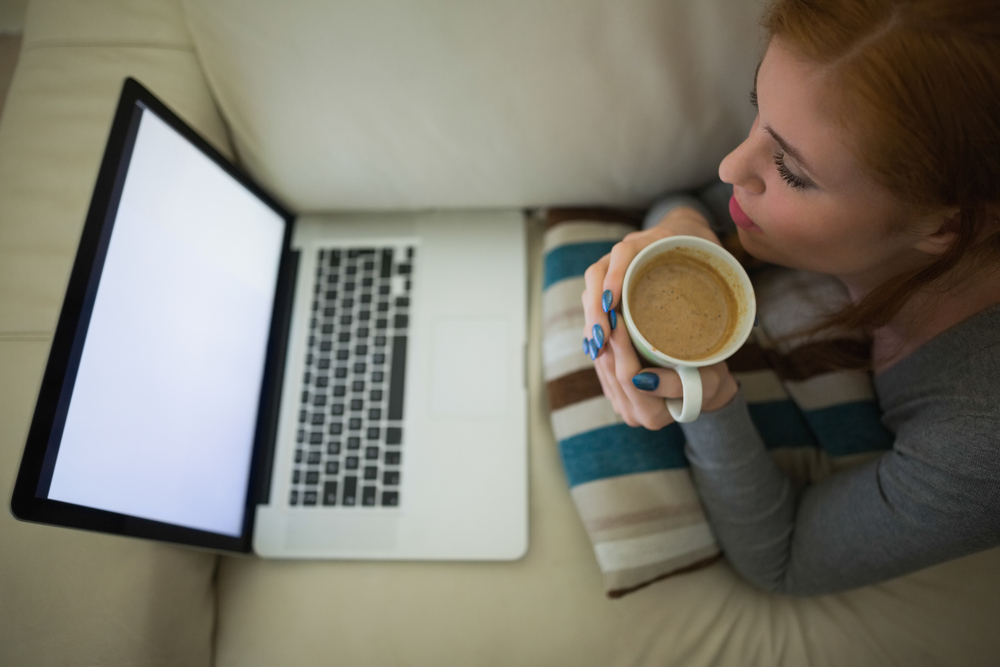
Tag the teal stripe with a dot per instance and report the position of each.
(850, 428)
(621, 450)
(570, 261)
(780, 424)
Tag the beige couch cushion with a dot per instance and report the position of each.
(397, 105)
(69, 597)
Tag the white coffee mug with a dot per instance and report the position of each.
(688, 408)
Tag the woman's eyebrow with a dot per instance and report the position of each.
(788, 148)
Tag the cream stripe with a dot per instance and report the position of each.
(583, 416)
(561, 346)
(822, 391)
(760, 386)
(584, 232)
(632, 494)
(563, 296)
(639, 551)
(569, 364)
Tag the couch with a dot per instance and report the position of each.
(390, 105)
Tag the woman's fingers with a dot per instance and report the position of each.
(597, 322)
(638, 408)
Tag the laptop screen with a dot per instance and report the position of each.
(160, 422)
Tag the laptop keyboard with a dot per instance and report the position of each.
(350, 433)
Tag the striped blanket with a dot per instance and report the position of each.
(631, 486)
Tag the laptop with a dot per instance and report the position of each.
(230, 376)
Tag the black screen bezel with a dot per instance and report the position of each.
(28, 501)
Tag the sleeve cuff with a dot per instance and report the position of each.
(724, 436)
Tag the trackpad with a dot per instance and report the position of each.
(469, 368)
(341, 532)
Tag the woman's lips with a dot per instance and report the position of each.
(740, 218)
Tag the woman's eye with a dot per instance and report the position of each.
(786, 175)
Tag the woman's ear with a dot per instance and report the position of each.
(942, 230)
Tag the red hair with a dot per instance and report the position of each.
(917, 83)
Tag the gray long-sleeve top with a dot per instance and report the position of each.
(933, 497)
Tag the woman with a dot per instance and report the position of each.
(874, 158)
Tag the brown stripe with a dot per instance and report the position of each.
(555, 216)
(573, 388)
(805, 361)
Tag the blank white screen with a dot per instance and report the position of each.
(163, 413)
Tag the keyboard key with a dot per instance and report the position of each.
(327, 329)
(351, 463)
(374, 414)
(333, 448)
(336, 428)
(357, 404)
(322, 380)
(383, 306)
(392, 458)
(344, 337)
(364, 316)
(368, 496)
(318, 418)
(314, 458)
(390, 498)
(354, 424)
(376, 395)
(358, 385)
(362, 332)
(371, 453)
(359, 367)
(384, 289)
(390, 477)
(381, 324)
(354, 442)
(320, 400)
(301, 436)
(366, 282)
(339, 390)
(378, 376)
(378, 358)
(369, 266)
(326, 346)
(332, 278)
(366, 298)
(341, 372)
(337, 409)
(309, 498)
(404, 269)
(312, 477)
(298, 456)
(296, 476)
(330, 492)
(332, 467)
(397, 377)
(316, 438)
(324, 363)
(347, 302)
(402, 321)
(393, 435)
(342, 355)
(303, 416)
(293, 499)
(346, 320)
(373, 433)
(351, 270)
(331, 295)
(380, 340)
(348, 287)
(361, 350)
(358, 252)
(329, 311)
(402, 301)
(371, 472)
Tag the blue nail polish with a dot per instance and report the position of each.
(646, 381)
(613, 318)
(586, 346)
(606, 300)
(593, 350)
(598, 336)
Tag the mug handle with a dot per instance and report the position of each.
(688, 408)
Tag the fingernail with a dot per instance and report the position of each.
(593, 351)
(606, 300)
(586, 346)
(646, 381)
(613, 318)
(598, 336)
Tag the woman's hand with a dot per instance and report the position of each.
(637, 394)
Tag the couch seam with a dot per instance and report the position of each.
(55, 44)
(25, 336)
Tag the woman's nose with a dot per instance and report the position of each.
(740, 169)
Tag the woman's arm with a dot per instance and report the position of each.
(913, 507)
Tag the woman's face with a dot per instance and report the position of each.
(801, 198)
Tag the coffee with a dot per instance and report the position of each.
(683, 306)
